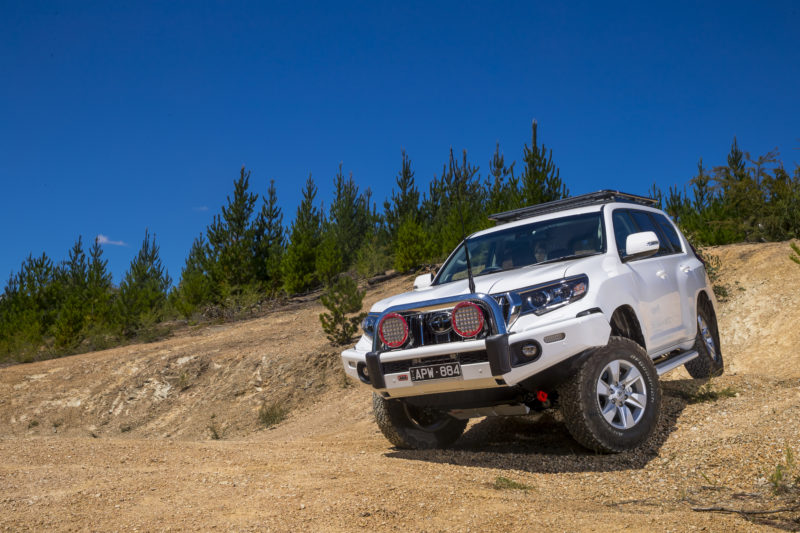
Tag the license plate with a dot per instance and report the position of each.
(445, 370)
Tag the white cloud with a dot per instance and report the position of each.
(102, 239)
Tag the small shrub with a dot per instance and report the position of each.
(713, 267)
(503, 483)
(216, 431)
(184, 382)
(341, 299)
(780, 477)
(795, 255)
(706, 393)
(32, 424)
(271, 414)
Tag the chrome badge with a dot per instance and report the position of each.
(440, 322)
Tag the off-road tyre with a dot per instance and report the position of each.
(411, 427)
(709, 363)
(580, 399)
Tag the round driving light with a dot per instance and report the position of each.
(393, 330)
(467, 319)
(530, 350)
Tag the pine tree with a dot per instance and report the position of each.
(298, 267)
(404, 203)
(349, 218)
(196, 286)
(232, 238)
(341, 299)
(71, 283)
(463, 209)
(98, 289)
(143, 290)
(540, 181)
(28, 308)
(502, 187)
(413, 246)
(270, 240)
(330, 261)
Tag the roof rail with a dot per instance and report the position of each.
(592, 198)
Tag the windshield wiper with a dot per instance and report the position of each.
(567, 257)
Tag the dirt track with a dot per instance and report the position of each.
(120, 439)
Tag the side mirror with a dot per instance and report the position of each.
(423, 282)
(641, 245)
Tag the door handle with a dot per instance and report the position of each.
(662, 274)
(686, 269)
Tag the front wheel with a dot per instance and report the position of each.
(419, 428)
(612, 402)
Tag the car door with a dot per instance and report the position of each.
(688, 271)
(654, 284)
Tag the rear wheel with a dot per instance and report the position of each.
(709, 363)
(612, 402)
(420, 428)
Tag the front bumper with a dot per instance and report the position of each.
(558, 340)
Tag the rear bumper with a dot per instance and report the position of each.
(558, 341)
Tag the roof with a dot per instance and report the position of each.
(593, 198)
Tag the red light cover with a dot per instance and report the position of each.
(467, 319)
(393, 330)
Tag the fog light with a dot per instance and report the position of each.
(530, 350)
(363, 373)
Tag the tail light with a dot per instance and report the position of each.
(468, 319)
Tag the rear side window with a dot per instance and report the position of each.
(669, 231)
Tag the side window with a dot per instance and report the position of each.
(623, 226)
(669, 231)
(646, 223)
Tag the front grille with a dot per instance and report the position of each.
(423, 335)
(467, 358)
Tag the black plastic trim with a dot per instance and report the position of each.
(499, 357)
(587, 312)
(374, 367)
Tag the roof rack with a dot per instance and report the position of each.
(592, 198)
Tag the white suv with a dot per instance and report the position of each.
(580, 303)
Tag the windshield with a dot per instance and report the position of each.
(539, 242)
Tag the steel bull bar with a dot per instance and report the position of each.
(496, 344)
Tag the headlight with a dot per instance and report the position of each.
(368, 325)
(549, 296)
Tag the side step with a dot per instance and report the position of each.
(675, 361)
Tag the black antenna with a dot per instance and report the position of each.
(463, 228)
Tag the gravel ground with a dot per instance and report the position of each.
(120, 440)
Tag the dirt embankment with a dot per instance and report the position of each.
(121, 439)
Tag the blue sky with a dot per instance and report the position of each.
(121, 116)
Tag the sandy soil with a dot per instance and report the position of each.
(122, 439)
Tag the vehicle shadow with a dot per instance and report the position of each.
(545, 445)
